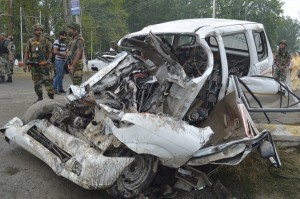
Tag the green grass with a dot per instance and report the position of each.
(252, 179)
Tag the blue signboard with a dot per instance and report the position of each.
(75, 9)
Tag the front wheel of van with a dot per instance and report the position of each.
(136, 178)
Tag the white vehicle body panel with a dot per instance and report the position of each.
(270, 94)
(96, 64)
(79, 91)
(172, 140)
(96, 172)
(188, 26)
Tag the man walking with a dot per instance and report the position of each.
(75, 54)
(38, 54)
(281, 62)
(5, 59)
(60, 51)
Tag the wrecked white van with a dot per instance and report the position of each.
(175, 100)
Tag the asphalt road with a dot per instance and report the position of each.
(22, 175)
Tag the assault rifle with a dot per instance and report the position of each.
(29, 64)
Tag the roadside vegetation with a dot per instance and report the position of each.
(253, 178)
(104, 21)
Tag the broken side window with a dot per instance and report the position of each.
(237, 53)
(261, 45)
(190, 55)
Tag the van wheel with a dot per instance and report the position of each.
(136, 178)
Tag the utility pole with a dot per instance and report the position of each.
(67, 14)
(214, 9)
(9, 18)
(21, 26)
(91, 44)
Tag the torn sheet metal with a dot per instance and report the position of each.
(173, 141)
(87, 167)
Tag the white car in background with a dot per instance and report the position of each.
(102, 59)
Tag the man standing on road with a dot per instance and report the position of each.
(75, 54)
(281, 62)
(38, 54)
(13, 51)
(60, 51)
(5, 59)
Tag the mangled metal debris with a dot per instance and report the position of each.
(172, 102)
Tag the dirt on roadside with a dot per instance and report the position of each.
(256, 178)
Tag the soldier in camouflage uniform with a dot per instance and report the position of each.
(13, 51)
(5, 59)
(37, 59)
(281, 62)
(75, 53)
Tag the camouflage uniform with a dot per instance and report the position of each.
(13, 51)
(38, 50)
(5, 49)
(281, 60)
(76, 43)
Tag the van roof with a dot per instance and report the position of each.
(189, 25)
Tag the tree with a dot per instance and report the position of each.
(289, 30)
(106, 19)
(109, 20)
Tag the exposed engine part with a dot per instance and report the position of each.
(198, 115)
(59, 115)
(78, 122)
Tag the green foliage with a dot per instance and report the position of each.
(290, 31)
(108, 20)
(103, 21)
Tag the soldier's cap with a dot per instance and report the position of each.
(283, 42)
(38, 26)
(74, 25)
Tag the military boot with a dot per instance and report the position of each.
(51, 96)
(2, 78)
(40, 98)
(9, 79)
